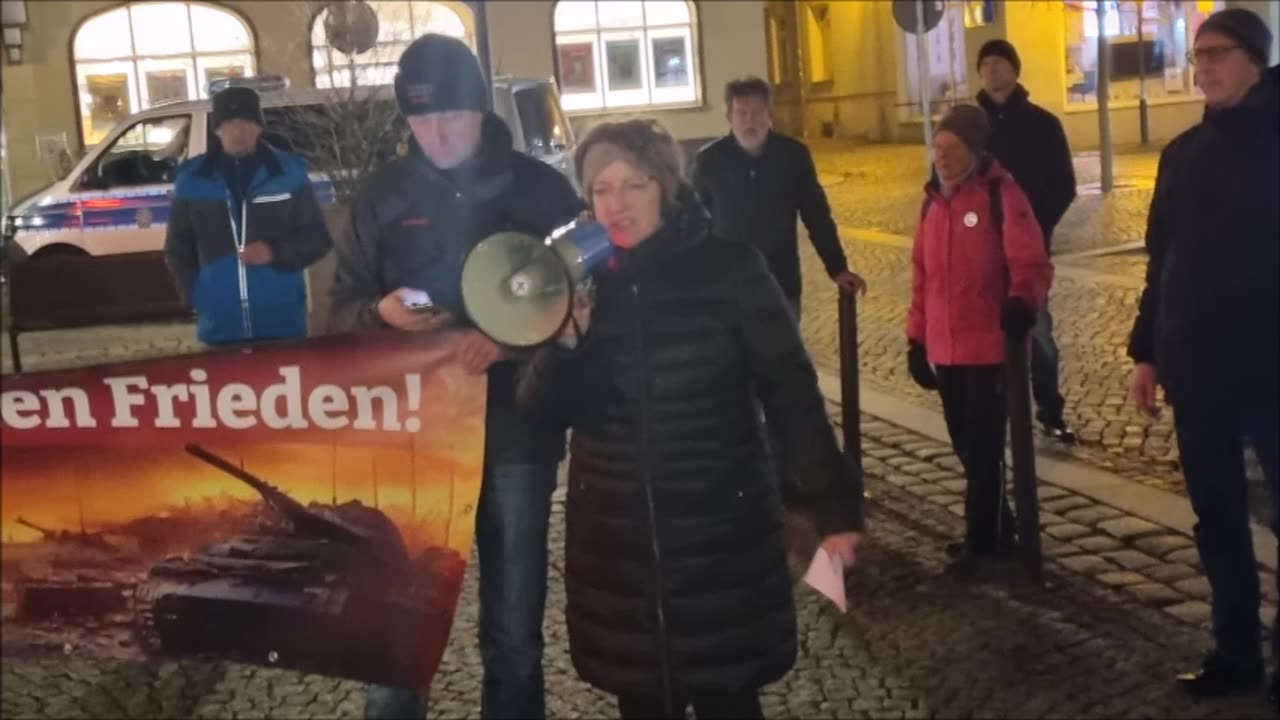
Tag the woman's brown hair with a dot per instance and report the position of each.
(653, 148)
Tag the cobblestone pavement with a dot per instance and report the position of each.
(879, 188)
(1093, 301)
(1129, 264)
(1124, 608)
(1092, 321)
(1127, 604)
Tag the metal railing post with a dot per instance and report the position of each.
(1024, 459)
(850, 401)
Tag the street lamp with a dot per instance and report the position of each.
(480, 15)
(13, 18)
(1103, 91)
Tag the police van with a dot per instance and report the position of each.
(116, 199)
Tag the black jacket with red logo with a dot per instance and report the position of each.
(413, 226)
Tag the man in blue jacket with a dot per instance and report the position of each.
(243, 227)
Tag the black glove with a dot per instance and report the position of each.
(919, 367)
(1017, 318)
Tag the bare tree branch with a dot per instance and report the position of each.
(359, 125)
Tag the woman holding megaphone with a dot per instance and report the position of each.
(679, 591)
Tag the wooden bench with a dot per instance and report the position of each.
(60, 293)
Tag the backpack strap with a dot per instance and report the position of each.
(997, 219)
(997, 207)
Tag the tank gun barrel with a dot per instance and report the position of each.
(303, 519)
(51, 534)
(87, 539)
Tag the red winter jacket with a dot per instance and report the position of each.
(959, 284)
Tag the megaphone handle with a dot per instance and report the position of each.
(571, 336)
(583, 302)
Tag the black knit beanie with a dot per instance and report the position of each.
(439, 73)
(236, 102)
(1243, 26)
(1000, 48)
(969, 123)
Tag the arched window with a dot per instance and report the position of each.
(625, 53)
(399, 23)
(145, 53)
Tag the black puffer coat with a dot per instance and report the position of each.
(677, 576)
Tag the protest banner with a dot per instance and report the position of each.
(306, 505)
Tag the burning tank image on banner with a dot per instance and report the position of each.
(306, 505)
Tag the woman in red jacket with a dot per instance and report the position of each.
(980, 275)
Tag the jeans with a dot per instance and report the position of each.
(1211, 436)
(1044, 370)
(512, 524)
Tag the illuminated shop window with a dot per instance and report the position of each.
(1147, 40)
(143, 54)
(399, 23)
(625, 54)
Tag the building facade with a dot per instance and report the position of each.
(85, 65)
(840, 68)
(870, 89)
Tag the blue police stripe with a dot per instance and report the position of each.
(64, 216)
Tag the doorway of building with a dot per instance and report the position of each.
(782, 44)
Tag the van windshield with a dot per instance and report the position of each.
(545, 128)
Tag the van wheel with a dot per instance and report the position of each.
(59, 251)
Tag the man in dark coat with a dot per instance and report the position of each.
(1207, 325)
(413, 225)
(1030, 143)
(756, 182)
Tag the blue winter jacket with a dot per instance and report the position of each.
(235, 302)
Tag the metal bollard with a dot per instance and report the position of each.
(1024, 460)
(850, 402)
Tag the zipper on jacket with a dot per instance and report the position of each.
(646, 475)
(239, 237)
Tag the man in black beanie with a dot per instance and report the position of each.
(1030, 143)
(1208, 326)
(244, 214)
(412, 226)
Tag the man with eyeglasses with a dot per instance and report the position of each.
(1206, 328)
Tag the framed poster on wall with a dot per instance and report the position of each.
(670, 62)
(623, 58)
(577, 67)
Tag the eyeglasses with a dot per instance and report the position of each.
(630, 188)
(1212, 53)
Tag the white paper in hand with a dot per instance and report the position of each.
(826, 575)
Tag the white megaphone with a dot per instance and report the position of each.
(518, 288)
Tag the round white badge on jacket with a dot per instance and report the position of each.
(970, 219)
